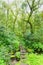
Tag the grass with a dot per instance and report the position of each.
(33, 59)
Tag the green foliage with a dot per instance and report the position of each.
(38, 47)
(34, 59)
(4, 56)
(20, 26)
(17, 55)
(2, 62)
(8, 43)
(9, 39)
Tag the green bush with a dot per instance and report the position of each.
(2, 62)
(17, 55)
(8, 43)
(34, 42)
(4, 55)
(9, 39)
(38, 47)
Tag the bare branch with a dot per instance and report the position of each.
(29, 4)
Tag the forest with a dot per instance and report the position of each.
(21, 32)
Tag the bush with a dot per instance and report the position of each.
(8, 43)
(4, 56)
(2, 62)
(33, 42)
(38, 47)
(29, 50)
(17, 55)
(9, 39)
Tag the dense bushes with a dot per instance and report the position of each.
(4, 56)
(36, 47)
(9, 43)
(33, 43)
(9, 39)
(2, 62)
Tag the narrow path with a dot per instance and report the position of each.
(23, 57)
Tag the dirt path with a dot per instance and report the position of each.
(23, 57)
(15, 62)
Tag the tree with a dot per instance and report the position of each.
(33, 6)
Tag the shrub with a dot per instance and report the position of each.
(34, 42)
(38, 47)
(17, 55)
(2, 62)
(4, 56)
